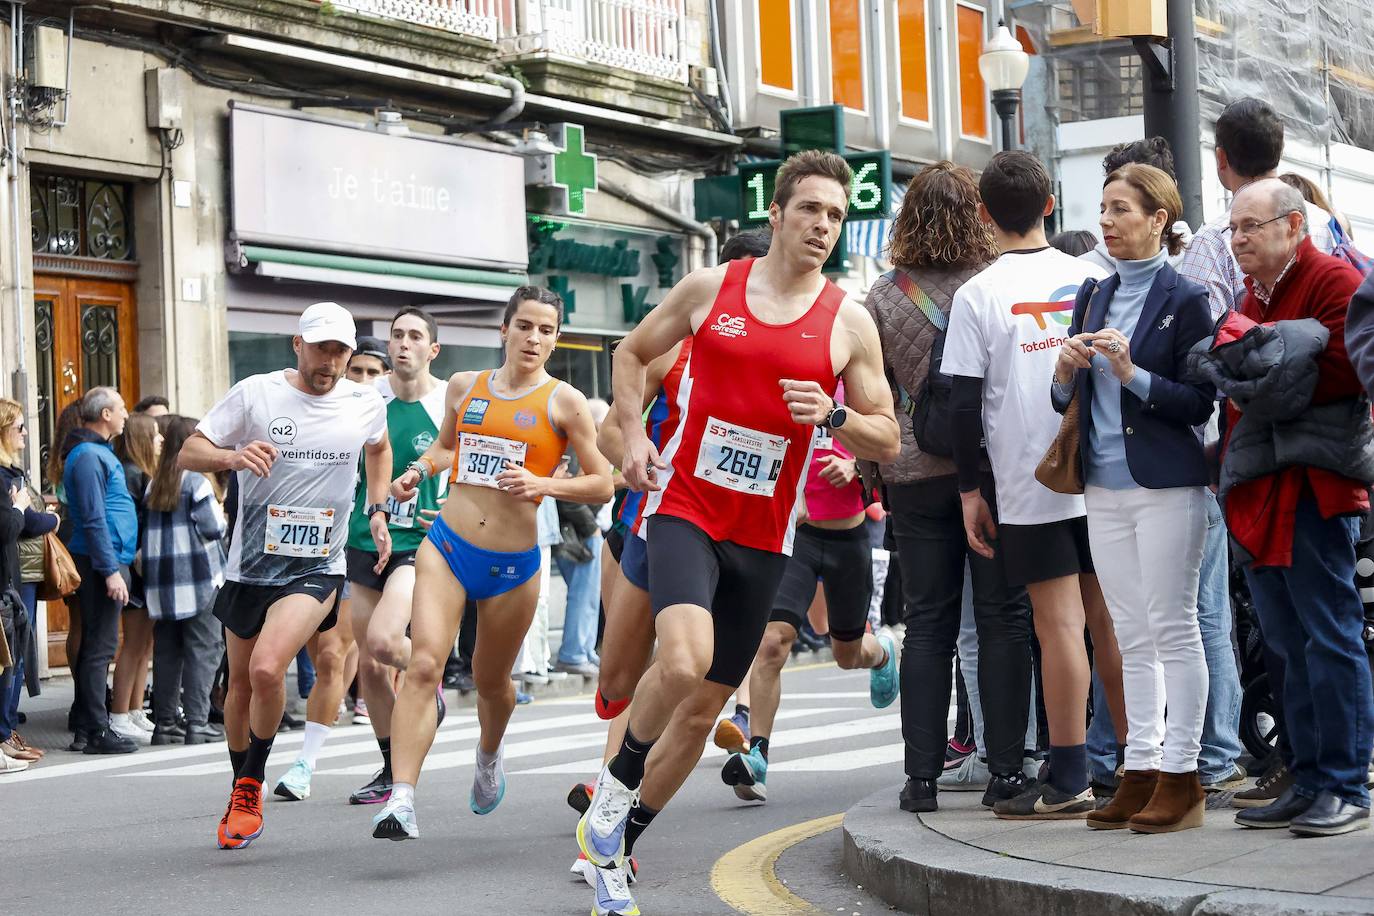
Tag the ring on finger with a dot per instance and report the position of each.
(1114, 346)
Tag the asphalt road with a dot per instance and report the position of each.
(136, 834)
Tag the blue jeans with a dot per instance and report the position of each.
(305, 673)
(1221, 725)
(12, 681)
(584, 606)
(1311, 615)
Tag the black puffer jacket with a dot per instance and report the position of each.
(1270, 372)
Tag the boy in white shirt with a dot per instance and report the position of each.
(1005, 330)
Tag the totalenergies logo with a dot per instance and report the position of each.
(1059, 309)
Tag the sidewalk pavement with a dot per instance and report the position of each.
(962, 860)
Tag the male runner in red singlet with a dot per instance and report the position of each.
(770, 338)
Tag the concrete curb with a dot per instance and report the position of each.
(917, 869)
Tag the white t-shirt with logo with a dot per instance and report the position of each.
(1006, 326)
(294, 522)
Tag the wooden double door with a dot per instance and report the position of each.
(85, 335)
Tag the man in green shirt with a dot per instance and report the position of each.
(381, 596)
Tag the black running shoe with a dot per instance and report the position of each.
(376, 792)
(1002, 787)
(580, 797)
(1043, 802)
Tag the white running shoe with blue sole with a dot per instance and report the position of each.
(488, 784)
(294, 784)
(396, 822)
(613, 896)
(601, 831)
(883, 683)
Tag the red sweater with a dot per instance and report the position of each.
(1260, 512)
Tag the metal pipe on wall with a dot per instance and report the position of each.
(20, 390)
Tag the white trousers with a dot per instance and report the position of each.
(1147, 546)
(533, 656)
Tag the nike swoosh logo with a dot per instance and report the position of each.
(806, 336)
(1042, 808)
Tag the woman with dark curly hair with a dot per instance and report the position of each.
(939, 242)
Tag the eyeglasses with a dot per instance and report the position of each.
(1251, 228)
(19, 426)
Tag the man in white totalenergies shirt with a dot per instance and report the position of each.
(294, 437)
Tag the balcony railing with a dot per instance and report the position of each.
(643, 36)
(480, 18)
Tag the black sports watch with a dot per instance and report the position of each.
(375, 508)
(835, 419)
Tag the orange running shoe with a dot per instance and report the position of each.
(225, 840)
(609, 709)
(731, 737)
(243, 821)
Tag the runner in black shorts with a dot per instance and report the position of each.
(831, 546)
(295, 438)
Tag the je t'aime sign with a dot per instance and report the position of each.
(304, 183)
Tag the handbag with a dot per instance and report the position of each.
(60, 577)
(1061, 470)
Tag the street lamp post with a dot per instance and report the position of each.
(1003, 65)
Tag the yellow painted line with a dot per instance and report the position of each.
(746, 879)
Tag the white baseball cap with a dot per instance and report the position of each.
(328, 321)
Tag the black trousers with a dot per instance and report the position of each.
(932, 549)
(99, 642)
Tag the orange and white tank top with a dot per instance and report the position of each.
(493, 430)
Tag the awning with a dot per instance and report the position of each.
(375, 273)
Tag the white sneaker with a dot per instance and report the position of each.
(613, 897)
(970, 776)
(10, 765)
(121, 724)
(555, 675)
(140, 718)
(601, 831)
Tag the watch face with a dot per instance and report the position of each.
(837, 417)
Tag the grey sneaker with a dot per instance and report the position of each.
(1228, 783)
(970, 776)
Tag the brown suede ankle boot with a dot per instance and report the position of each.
(1176, 805)
(1132, 795)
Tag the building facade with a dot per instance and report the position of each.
(184, 177)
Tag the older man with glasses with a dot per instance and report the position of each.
(1299, 520)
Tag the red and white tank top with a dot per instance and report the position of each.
(661, 422)
(737, 461)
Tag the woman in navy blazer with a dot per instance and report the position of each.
(1145, 476)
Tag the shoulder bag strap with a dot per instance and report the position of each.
(918, 298)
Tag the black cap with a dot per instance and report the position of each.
(372, 346)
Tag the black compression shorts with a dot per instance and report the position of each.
(242, 608)
(843, 562)
(736, 584)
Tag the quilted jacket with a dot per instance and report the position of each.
(907, 338)
(1270, 373)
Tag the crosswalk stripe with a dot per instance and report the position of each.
(856, 759)
(787, 737)
(451, 759)
(174, 753)
(446, 735)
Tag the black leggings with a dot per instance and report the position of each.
(932, 549)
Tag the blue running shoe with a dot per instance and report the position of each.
(295, 782)
(488, 783)
(613, 893)
(396, 822)
(747, 773)
(601, 831)
(883, 684)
